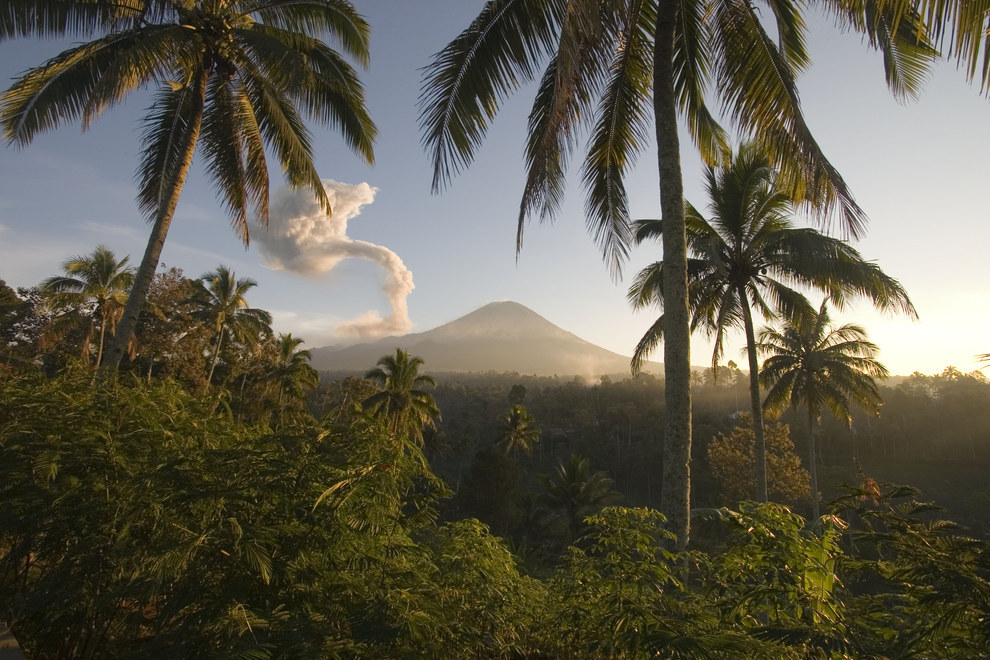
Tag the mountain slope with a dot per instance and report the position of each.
(501, 336)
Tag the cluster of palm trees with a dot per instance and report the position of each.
(607, 68)
(93, 291)
(749, 256)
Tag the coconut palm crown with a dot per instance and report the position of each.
(219, 302)
(98, 279)
(517, 431)
(403, 398)
(234, 79)
(293, 372)
(748, 256)
(823, 367)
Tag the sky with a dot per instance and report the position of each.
(396, 258)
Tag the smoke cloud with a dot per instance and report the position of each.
(302, 239)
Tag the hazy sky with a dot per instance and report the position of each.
(397, 258)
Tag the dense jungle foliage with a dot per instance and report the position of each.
(142, 520)
(217, 498)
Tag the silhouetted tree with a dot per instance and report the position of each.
(823, 367)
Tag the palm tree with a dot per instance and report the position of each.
(614, 63)
(823, 367)
(748, 256)
(218, 301)
(573, 493)
(293, 372)
(98, 279)
(234, 77)
(403, 398)
(516, 431)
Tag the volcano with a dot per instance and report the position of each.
(499, 337)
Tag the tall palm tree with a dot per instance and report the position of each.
(823, 367)
(517, 432)
(748, 256)
(218, 301)
(611, 64)
(403, 398)
(293, 372)
(234, 77)
(98, 279)
(573, 493)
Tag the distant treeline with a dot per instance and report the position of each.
(932, 431)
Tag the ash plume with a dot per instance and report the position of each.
(303, 240)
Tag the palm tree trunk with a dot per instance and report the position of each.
(675, 496)
(216, 354)
(149, 263)
(87, 342)
(103, 330)
(760, 450)
(812, 465)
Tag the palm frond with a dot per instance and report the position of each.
(255, 165)
(83, 81)
(468, 79)
(692, 71)
(326, 86)
(646, 345)
(338, 18)
(336, 99)
(283, 130)
(758, 86)
(571, 81)
(169, 126)
(647, 287)
(959, 29)
(548, 145)
(222, 144)
(902, 39)
(58, 18)
(621, 130)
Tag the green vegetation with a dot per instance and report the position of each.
(138, 520)
(263, 514)
(214, 499)
(733, 461)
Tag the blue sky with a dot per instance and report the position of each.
(920, 170)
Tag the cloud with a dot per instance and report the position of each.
(303, 240)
